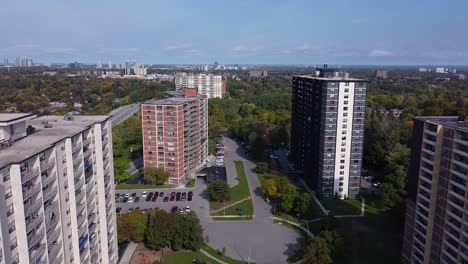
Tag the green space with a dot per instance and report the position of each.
(237, 192)
(343, 207)
(190, 183)
(239, 218)
(374, 238)
(188, 257)
(246, 208)
(211, 146)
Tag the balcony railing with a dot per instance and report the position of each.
(76, 147)
(91, 207)
(106, 170)
(35, 237)
(87, 153)
(26, 176)
(52, 235)
(36, 253)
(81, 230)
(54, 251)
(105, 140)
(58, 259)
(49, 192)
(47, 164)
(32, 207)
(33, 222)
(81, 218)
(77, 159)
(89, 186)
(53, 208)
(80, 207)
(91, 217)
(31, 190)
(78, 171)
(106, 179)
(86, 141)
(79, 184)
(47, 179)
(80, 196)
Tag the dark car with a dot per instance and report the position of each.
(118, 210)
(148, 198)
(166, 199)
(174, 209)
(189, 198)
(178, 197)
(133, 194)
(190, 193)
(154, 198)
(151, 194)
(173, 194)
(161, 194)
(125, 199)
(184, 196)
(172, 198)
(137, 199)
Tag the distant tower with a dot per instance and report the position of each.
(99, 65)
(109, 65)
(5, 61)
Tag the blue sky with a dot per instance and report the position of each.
(242, 31)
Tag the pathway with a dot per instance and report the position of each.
(227, 206)
(211, 257)
(127, 256)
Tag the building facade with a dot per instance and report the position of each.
(383, 74)
(57, 190)
(175, 133)
(436, 217)
(327, 132)
(207, 84)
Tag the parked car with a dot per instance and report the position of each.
(137, 199)
(127, 195)
(166, 199)
(133, 194)
(172, 198)
(118, 210)
(189, 198)
(125, 199)
(149, 197)
(184, 196)
(376, 184)
(161, 194)
(151, 194)
(144, 194)
(154, 198)
(130, 209)
(178, 197)
(181, 210)
(187, 209)
(174, 209)
(130, 199)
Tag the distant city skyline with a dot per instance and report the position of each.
(247, 32)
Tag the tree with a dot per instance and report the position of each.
(323, 247)
(287, 197)
(218, 191)
(155, 176)
(269, 188)
(131, 226)
(262, 167)
(160, 229)
(302, 203)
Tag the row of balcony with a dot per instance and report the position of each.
(54, 251)
(34, 237)
(34, 221)
(37, 253)
(28, 175)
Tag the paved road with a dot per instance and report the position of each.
(135, 165)
(266, 241)
(122, 113)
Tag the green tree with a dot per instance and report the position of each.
(323, 248)
(302, 203)
(288, 196)
(218, 191)
(269, 188)
(155, 176)
(262, 167)
(131, 226)
(160, 229)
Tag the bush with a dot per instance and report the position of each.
(262, 167)
(131, 226)
(218, 191)
(155, 176)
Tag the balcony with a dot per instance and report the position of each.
(107, 170)
(89, 186)
(106, 162)
(91, 207)
(53, 234)
(29, 191)
(34, 221)
(46, 164)
(105, 141)
(106, 179)
(86, 141)
(48, 179)
(32, 206)
(36, 253)
(28, 175)
(105, 152)
(49, 193)
(80, 196)
(76, 147)
(58, 260)
(78, 171)
(79, 183)
(35, 237)
(87, 152)
(104, 131)
(77, 159)
(80, 206)
(108, 199)
(92, 227)
(91, 217)
(55, 251)
(82, 229)
(51, 208)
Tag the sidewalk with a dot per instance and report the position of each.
(127, 256)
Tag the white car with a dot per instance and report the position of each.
(376, 185)
(144, 194)
(130, 200)
(187, 209)
(127, 195)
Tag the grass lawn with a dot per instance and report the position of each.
(374, 238)
(343, 207)
(265, 176)
(187, 257)
(125, 186)
(247, 209)
(240, 218)
(239, 191)
(211, 146)
(190, 183)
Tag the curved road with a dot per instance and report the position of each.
(266, 241)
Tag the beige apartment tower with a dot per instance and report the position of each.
(57, 191)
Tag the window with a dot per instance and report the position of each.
(343, 138)
(346, 96)
(346, 83)
(344, 126)
(346, 90)
(342, 161)
(343, 132)
(345, 114)
(343, 144)
(345, 108)
(343, 149)
(345, 120)
(345, 102)
(341, 184)
(6, 177)
(341, 167)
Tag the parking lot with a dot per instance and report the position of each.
(164, 201)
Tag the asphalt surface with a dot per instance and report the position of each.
(260, 238)
(122, 113)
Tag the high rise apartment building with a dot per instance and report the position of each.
(436, 226)
(175, 133)
(56, 190)
(327, 131)
(206, 84)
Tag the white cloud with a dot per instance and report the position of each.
(380, 53)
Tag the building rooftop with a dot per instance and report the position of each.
(10, 117)
(333, 78)
(456, 122)
(174, 100)
(44, 138)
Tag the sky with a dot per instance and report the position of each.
(343, 32)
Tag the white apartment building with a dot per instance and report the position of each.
(56, 190)
(207, 84)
